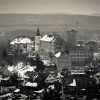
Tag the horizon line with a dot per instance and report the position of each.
(61, 13)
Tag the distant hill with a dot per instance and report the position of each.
(12, 25)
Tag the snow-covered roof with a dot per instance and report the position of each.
(46, 62)
(51, 86)
(22, 40)
(39, 91)
(25, 77)
(50, 79)
(97, 74)
(31, 84)
(11, 68)
(7, 78)
(59, 75)
(73, 83)
(17, 90)
(58, 55)
(47, 38)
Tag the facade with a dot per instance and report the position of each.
(79, 55)
(62, 60)
(37, 40)
(22, 44)
(50, 45)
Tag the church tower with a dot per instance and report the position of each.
(37, 40)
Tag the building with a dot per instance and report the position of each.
(22, 44)
(62, 60)
(50, 45)
(93, 47)
(5, 72)
(79, 56)
(72, 38)
(37, 40)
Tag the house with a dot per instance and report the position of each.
(22, 44)
(49, 66)
(50, 45)
(5, 72)
(50, 79)
(62, 60)
(97, 77)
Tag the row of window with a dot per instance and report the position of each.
(79, 52)
(73, 59)
(79, 55)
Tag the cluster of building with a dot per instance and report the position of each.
(53, 50)
(65, 54)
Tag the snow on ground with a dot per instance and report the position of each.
(21, 68)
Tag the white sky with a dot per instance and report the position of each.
(50, 6)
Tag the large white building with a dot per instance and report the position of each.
(22, 44)
(50, 45)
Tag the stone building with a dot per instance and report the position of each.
(62, 60)
(50, 45)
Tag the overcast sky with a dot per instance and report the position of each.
(50, 6)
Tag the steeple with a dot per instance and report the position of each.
(38, 32)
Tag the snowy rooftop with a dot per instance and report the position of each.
(17, 90)
(59, 75)
(22, 40)
(20, 69)
(46, 62)
(47, 38)
(51, 86)
(31, 84)
(39, 91)
(73, 83)
(58, 55)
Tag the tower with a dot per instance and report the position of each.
(72, 38)
(37, 40)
